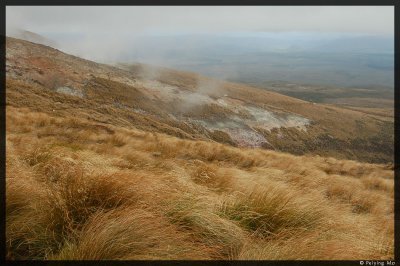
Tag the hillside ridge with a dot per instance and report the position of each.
(191, 106)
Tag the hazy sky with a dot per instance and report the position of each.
(127, 19)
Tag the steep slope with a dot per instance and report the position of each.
(80, 190)
(123, 163)
(195, 107)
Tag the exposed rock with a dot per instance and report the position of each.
(70, 91)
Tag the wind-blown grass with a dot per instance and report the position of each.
(76, 189)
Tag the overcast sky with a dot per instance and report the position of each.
(109, 33)
(128, 19)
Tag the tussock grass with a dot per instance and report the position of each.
(125, 233)
(26, 231)
(76, 189)
(377, 183)
(37, 156)
(201, 218)
(118, 140)
(211, 176)
(272, 209)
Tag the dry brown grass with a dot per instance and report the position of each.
(108, 192)
(129, 233)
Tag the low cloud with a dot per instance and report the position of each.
(98, 19)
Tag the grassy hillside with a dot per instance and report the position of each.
(108, 192)
(190, 106)
(134, 162)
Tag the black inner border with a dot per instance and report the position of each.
(394, 3)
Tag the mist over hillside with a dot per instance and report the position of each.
(335, 59)
(310, 59)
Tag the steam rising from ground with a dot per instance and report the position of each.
(208, 92)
